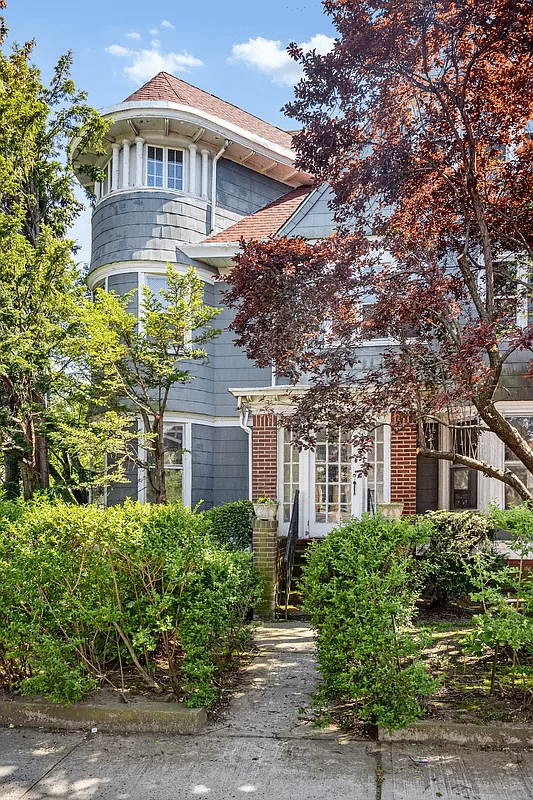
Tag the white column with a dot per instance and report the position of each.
(125, 163)
(139, 162)
(205, 164)
(192, 168)
(97, 190)
(115, 168)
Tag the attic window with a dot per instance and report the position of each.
(165, 168)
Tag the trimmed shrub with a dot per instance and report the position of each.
(360, 586)
(232, 524)
(83, 589)
(458, 541)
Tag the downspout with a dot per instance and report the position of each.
(244, 415)
(222, 150)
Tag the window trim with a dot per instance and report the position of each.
(164, 163)
(306, 483)
(186, 465)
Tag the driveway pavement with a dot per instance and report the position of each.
(263, 748)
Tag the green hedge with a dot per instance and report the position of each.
(360, 586)
(232, 524)
(83, 590)
(457, 541)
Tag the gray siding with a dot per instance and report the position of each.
(232, 367)
(219, 465)
(313, 219)
(118, 493)
(244, 191)
(227, 366)
(122, 284)
(202, 465)
(141, 225)
(230, 465)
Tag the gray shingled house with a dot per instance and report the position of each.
(186, 176)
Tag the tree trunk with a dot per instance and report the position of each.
(30, 480)
(12, 474)
(159, 463)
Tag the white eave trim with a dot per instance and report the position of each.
(151, 108)
(215, 254)
(267, 399)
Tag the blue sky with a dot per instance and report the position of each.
(235, 50)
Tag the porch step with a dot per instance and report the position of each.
(294, 610)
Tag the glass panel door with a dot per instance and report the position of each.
(332, 469)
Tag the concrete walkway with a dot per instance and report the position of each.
(263, 748)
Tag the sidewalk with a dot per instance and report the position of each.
(263, 748)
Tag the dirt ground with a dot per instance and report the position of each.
(464, 694)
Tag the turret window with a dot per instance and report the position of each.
(165, 168)
(175, 169)
(157, 167)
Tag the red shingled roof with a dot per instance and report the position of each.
(267, 221)
(166, 87)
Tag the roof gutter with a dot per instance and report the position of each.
(222, 150)
(244, 414)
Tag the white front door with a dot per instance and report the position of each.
(334, 497)
(331, 488)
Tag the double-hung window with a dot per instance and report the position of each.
(463, 480)
(173, 438)
(164, 168)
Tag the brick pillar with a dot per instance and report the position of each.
(403, 466)
(265, 549)
(264, 456)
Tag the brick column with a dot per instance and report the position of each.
(403, 454)
(264, 455)
(265, 549)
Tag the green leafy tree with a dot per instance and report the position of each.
(39, 284)
(135, 363)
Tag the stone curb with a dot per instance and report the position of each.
(151, 717)
(460, 734)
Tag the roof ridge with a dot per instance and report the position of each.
(171, 81)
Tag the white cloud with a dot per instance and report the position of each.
(118, 50)
(147, 63)
(156, 44)
(133, 35)
(154, 32)
(269, 57)
(167, 24)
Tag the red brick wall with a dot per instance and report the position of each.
(403, 467)
(264, 455)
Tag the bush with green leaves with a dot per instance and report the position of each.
(360, 586)
(506, 596)
(456, 540)
(83, 589)
(232, 524)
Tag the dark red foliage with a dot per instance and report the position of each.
(420, 120)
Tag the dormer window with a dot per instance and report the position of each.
(164, 168)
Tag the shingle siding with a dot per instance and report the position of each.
(219, 465)
(244, 191)
(141, 225)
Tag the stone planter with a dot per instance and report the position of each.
(266, 510)
(390, 510)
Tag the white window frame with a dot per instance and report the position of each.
(186, 465)
(490, 491)
(164, 184)
(307, 485)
